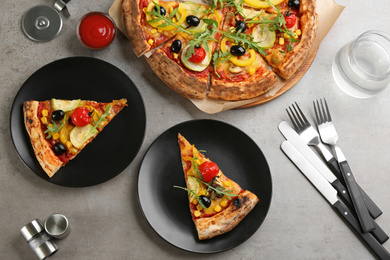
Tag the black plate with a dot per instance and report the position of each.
(89, 79)
(166, 207)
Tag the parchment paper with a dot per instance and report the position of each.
(328, 12)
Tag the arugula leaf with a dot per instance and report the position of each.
(220, 57)
(244, 40)
(202, 39)
(167, 21)
(220, 191)
(193, 194)
(54, 128)
(101, 119)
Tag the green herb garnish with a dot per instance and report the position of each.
(54, 128)
(193, 194)
(202, 39)
(101, 119)
(167, 21)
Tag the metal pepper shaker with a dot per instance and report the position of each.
(38, 240)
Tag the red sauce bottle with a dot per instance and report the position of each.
(96, 30)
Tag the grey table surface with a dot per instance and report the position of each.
(107, 220)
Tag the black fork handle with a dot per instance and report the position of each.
(372, 208)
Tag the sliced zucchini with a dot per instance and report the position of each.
(264, 36)
(80, 134)
(195, 66)
(194, 185)
(64, 105)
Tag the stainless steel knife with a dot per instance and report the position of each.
(330, 194)
(292, 136)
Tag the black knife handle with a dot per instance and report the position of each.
(373, 209)
(333, 165)
(369, 240)
(378, 232)
(342, 193)
(357, 200)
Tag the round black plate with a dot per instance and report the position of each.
(166, 207)
(88, 79)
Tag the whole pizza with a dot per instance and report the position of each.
(226, 49)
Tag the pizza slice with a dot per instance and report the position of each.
(60, 129)
(239, 69)
(217, 203)
(295, 27)
(184, 62)
(150, 23)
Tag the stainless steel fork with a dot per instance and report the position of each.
(310, 135)
(329, 135)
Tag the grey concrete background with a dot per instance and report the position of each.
(107, 220)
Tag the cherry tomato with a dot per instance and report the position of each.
(81, 116)
(198, 56)
(208, 170)
(290, 19)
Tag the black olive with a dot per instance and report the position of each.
(294, 3)
(59, 148)
(240, 26)
(237, 50)
(205, 200)
(237, 202)
(192, 20)
(163, 12)
(176, 46)
(58, 115)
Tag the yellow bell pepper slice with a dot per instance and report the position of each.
(235, 60)
(181, 11)
(262, 3)
(241, 62)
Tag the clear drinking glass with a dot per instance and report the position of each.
(361, 68)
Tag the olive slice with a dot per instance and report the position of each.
(58, 115)
(59, 148)
(176, 46)
(163, 12)
(205, 201)
(237, 50)
(192, 20)
(240, 26)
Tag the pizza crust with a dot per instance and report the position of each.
(307, 6)
(297, 57)
(227, 219)
(176, 77)
(250, 88)
(43, 152)
(132, 18)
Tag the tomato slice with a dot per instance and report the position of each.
(198, 56)
(208, 170)
(81, 116)
(290, 19)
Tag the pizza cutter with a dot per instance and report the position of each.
(43, 23)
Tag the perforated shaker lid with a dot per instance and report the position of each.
(41, 23)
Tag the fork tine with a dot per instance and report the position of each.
(302, 116)
(327, 111)
(316, 112)
(319, 113)
(292, 119)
